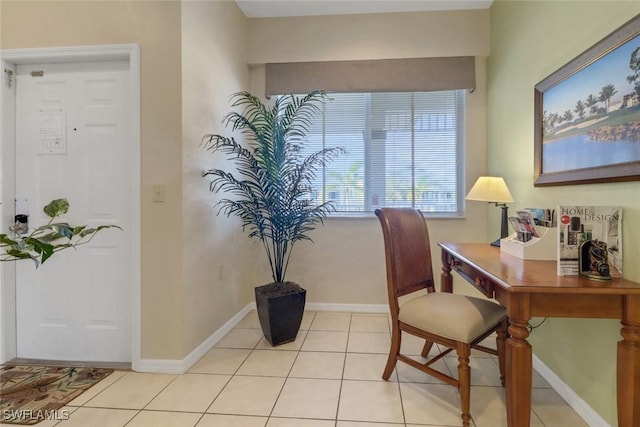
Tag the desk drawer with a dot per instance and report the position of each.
(480, 282)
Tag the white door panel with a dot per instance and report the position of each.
(76, 306)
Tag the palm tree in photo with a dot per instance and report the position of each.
(579, 109)
(634, 65)
(606, 93)
(591, 103)
(567, 116)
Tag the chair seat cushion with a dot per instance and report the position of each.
(457, 317)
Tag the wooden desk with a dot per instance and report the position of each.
(532, 289)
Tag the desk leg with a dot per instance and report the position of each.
(519, 366)
(628, 365)
(446, 279)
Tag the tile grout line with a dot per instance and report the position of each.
(284, 383)
(344, 365)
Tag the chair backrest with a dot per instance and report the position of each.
(407, 251)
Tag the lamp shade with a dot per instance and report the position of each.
(490, 189)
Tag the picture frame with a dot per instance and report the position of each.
(587, 115)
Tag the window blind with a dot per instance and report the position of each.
(403, 150)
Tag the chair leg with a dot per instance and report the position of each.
(393, 353)
(501, 338)
(427, 348)
(464, 382)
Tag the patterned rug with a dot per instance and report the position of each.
(30, 394)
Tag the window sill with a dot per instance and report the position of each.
(369, 215)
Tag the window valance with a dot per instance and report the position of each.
(380, 75)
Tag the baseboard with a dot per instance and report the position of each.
(171, 366)
(582, 408)
(356, 308)
(160, 366)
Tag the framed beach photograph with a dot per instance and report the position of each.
(587, 115)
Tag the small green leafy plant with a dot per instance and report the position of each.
(44, 241)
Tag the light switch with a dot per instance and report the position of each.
(159, 193)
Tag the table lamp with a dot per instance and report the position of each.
(493, 189)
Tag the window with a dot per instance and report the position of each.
(404, 150)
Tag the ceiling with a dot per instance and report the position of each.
(280, 8)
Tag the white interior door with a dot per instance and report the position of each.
(71, 140)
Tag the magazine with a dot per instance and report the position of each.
(543, 217)
(524, 225)
(577, 224)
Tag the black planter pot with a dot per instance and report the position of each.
(280, 309)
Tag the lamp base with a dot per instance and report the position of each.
(503, 224)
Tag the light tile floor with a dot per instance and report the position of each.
(329, 377)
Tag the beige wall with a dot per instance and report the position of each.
(374, 36)
(345, 265)
(193, 56)
(214, 65)
(155, 26)
(529, 41)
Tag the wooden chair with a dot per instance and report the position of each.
(454, 321)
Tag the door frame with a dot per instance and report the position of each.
(9, 59)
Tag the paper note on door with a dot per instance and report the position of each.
(51, 134)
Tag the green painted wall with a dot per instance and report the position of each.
(529, 41)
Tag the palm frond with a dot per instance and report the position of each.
(271, 193)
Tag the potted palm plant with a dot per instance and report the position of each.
(272, 193)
